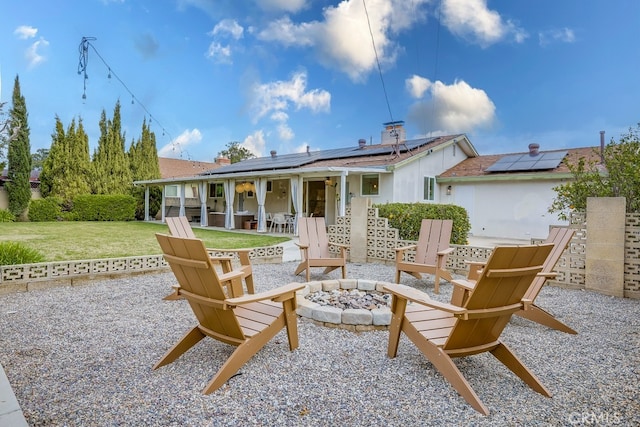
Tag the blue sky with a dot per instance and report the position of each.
(284, 74)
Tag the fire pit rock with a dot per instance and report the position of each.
(353, 319)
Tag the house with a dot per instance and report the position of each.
(323, 182)
(34, 182)
(508, 195)
(501, 202)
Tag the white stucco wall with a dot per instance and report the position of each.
(408, 180)
(516, 210)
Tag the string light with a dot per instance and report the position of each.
(83, 49)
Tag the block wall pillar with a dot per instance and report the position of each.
(604, 265)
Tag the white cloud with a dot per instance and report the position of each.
(286, 32)
(454, 108)
(417, 86)
(472, 20)
(285, 133)
(25, 32)
(33, 53)
(255, 143)
(228, 27)
(179, 146)
(279, 96)
(343, 39)
(282, 5)
(219, 53)
(564, 35)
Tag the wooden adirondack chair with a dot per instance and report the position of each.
(560, 237)
(444, 331)
(432, 250)
(179, 226)
(247, 322)
(314, 248)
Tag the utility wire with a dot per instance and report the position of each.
(384, 89)
(83, 49)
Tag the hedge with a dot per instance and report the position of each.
(47, 209)
(407, 218)
(97, 207)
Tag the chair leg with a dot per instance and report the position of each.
(437, 282)
(242, 354)
(542, 317)
(291, 322)
(189, 339)
(511, 361)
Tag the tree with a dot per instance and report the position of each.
(18, 155)
(236, 152)
(143, 158)
(37, 158)
(617, 176)
(111, 171)
(4, 136)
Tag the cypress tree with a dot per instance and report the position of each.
(111, 171)
(19, 155)
(143, 157)
(53, 166)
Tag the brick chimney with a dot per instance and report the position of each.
(223, 161)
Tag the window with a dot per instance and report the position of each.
(370, 185)
(216, 190)
(269, 186)
(171, 191)
(429, 188)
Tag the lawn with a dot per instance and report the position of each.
(65, 241)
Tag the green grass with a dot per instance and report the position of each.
(66, 241)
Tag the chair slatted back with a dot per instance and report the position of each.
(560, 237)
(199, 285)
(497, 294)
(312, 232)
(179, 226)
(435, 236)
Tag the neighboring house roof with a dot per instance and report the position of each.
(475, 168)
(383, 156)
(175, 168)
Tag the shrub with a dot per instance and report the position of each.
(99, 207)
(47, 209)
(407, 218)
(12, 253)
(6, 216)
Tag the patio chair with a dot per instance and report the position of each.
(431, 252)
(247, 322)
(179, 226)
(314, 248)
(279, 223)
(560, 237)
(444, 331)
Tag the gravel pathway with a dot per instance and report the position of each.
(82, 356)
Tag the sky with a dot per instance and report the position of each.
(286, 74)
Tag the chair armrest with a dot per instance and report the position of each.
(404, 248)
(301, 246)
(547, 275)
(447, 251)
(272, 294)
(234, 274)
(475, 267)
(464, 284)
(339, 245)
(420, 297)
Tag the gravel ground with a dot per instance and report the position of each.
(82, 356)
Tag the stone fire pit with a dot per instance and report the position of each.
(353, 319)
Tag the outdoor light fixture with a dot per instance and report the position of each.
(448, 190)
(245, 187)
(329, 183)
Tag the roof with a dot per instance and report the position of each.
(174, 168)
(379, 155)
(477, 166)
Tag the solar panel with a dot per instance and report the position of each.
(527, 162)
(295, 160)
